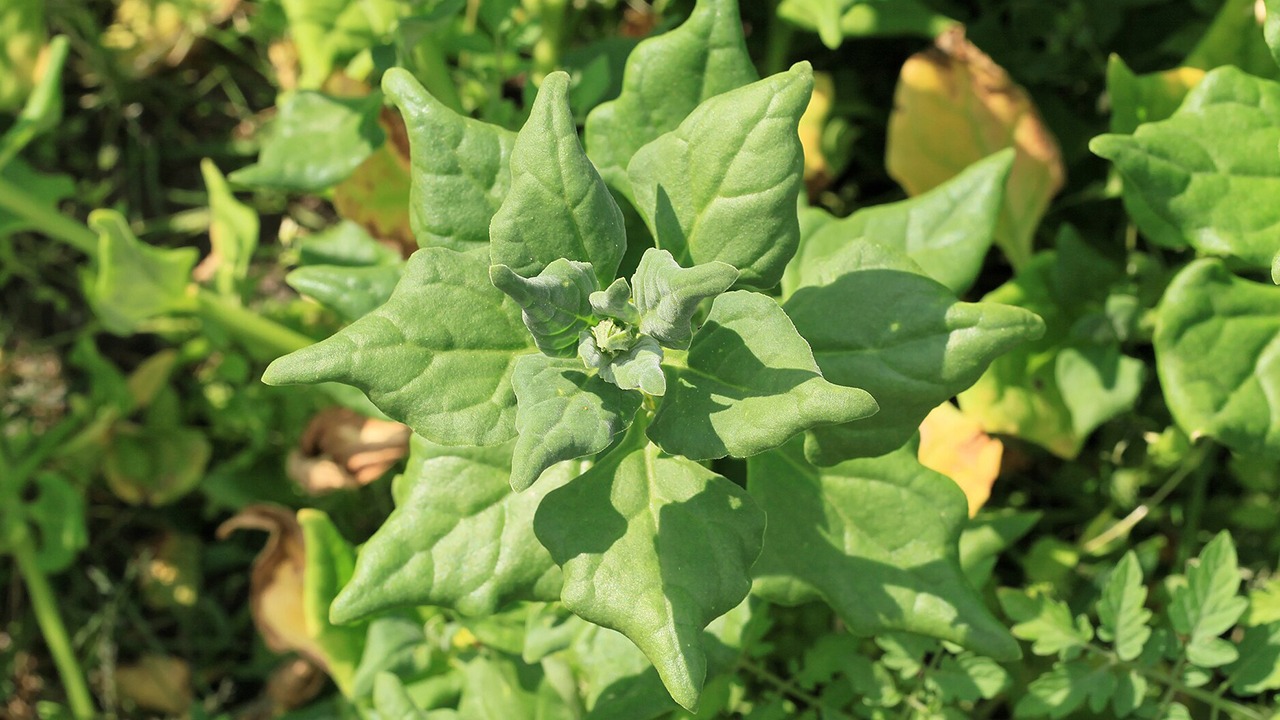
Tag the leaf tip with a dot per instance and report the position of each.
(1109, 146)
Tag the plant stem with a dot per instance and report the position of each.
(51, 626)
(264, 338)
(785, 686)
(1175, 686)
(1135, 516)
(47, 220)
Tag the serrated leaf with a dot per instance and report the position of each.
(351, 292)
(1217, 344)
(969, 677)
(555, 303)
(460, 538)
(1209, 604)
(724, 184)
(954, 106)
(563, 414)
(233, 230)
(1121, 613)
(1045, 622)
(1257, 670)
(667, 550)
(135, 282)
(558, 207)
(749, 384)
(315, 142)
(876, 539)
(1209, 185)
(1065, 689)
(459, 167)
(449, 381)
(1131, 692)
(329, 562)
(667, 295)
(665, 78)
(835, 20)
(904, 338)
(946, 230)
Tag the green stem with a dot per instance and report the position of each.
(1175, 686)
(48, 220)
(786, 686)
(51, 626)
(265, 338)
(1192, 514)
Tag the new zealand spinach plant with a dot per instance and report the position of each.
(586, 338)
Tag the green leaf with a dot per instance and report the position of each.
(1138, 99)
(135, 282)
(555, 303)
(1271, 28)
(346, 244)
(1212, 186)
(986, 536)
(667, 295)
(876, 539)
(563, 414)
(449, 380)
(43, 109)
(946, 230)
(666, 551)
(1257, 670)
(558, 207)
(459, 167)
(835, 20)
(48, 190)
(155, 465)
(1122, 617)
(1209, 604)
(639, 368)
(51, 505)
(460, 538)
(1020, 394)
(315, 142)
(1044, 622)
(1235, 37)
(328, 32)
(970, 677)
(1065, 689)
(615, 302)
(351, 292)
(495, 688)
(390, 700)
(749, 384)
(394, 644)
(1217, 345)
(665, 78)
(1131, 692)
(330, 560)
(902, 337)
(23, 29)
(724, 184)
(1101, 384)
(233, 230)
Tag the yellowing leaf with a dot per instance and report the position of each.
(146, 33)
(275, 585)
(817, 172)
(956, 446)
(158, 683)
(954, 106)
(376, 195)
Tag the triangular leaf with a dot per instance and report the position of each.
(667, 295)
(724, 184)
(448, 379)
(459, 167)
(946, 230)
(563, 414)
(1065, 688)
(460, 538)
(315, 142)
(902, 337)
(749, 384)
(655, 547)
(233, 229)
(558, 207)
(135, 282)
(1122, 617)
(1213, 187)
(1217, 345)
(665, 78)
(877, 539)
